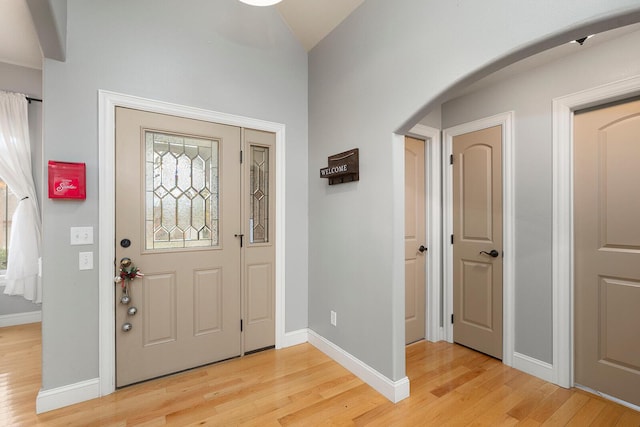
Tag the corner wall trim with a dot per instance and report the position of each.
(20, 318)
(48, 400)
(395, 391)
(295, 337)
(532, 366)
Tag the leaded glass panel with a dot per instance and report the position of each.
(259, 197)
(181, 185)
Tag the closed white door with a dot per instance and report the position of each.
(177, 215)
(477, 240)
(607, 250)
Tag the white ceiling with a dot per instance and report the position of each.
(309, 20)
(18, 39)
(312, 20)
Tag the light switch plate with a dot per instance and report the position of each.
(81, 235)
(85, 260)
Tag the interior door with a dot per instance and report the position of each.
(607, 250)
(259, 243)
(177, 213)
(477, 240)
(414, 239)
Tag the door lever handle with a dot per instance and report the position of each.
(493, 253)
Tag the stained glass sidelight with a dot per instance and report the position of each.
(259, 197)
(181, 191)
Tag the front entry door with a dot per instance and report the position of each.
(607, 250)
(414, 238)
(177, 212)
(477, 240)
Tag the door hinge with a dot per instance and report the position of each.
(452, 239)
(240, 156)
(241, 326)
(452, 318)
(450, 159)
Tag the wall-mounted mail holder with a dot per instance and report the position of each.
(67, 180)
(343, 167)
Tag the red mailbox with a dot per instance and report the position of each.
(67, 180)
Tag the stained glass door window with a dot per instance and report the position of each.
(259, 197)
(181, 191)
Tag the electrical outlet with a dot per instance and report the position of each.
(81, 235)
(334, 318)
(85, 260)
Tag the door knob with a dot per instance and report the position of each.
(422, 249)
(493, 253)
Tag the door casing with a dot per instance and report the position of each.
(506, 121)
(108, 101)
(562, 244)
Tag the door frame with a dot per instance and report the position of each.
(107, 103)
(563, 237)
(505, 120)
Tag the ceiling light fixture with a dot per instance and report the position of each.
(261, 2)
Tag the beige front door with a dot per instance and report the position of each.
(177, 213)
(258, 240)
(414, 239)
(607, 250)
(477, 240)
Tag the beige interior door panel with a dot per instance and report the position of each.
(477, 242)
(607, 250)
(415, 235)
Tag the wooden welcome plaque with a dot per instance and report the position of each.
(343, 167)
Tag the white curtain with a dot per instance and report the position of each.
(15, 170)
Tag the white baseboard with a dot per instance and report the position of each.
(48, 400)
(533, 366)
(20, 318)
(395, 391)
(295, 337)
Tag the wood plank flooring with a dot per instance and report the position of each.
(300, 386)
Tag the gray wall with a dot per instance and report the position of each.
(378, 72)
(219, 55)
(14, 78)
(530, 95)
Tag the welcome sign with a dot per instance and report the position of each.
(343, 167)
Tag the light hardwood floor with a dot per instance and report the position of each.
(450, 385)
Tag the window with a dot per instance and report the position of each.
(8, 203)
(181, 191)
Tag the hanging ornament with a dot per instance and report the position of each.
(125, 299)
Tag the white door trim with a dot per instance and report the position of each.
(433, 185)
(506, 120)
(562, 244)
(108, 101)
